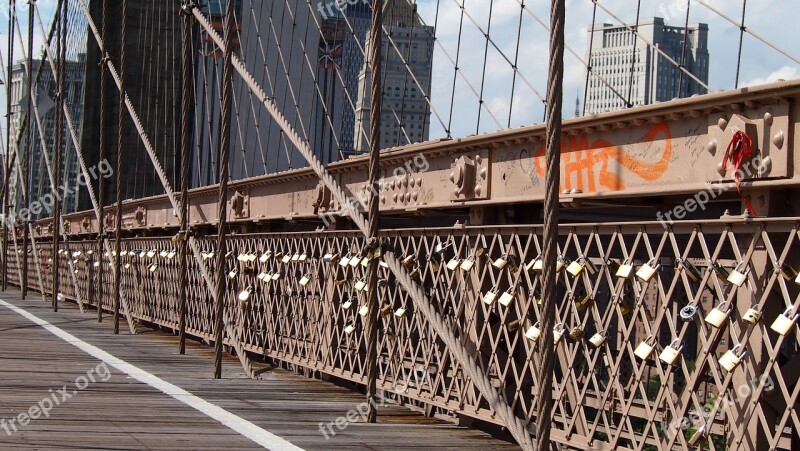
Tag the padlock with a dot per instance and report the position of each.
(171, 255)
(345, 260)
(408, 261)
(276, 275)
(330, 257)
(278, 254)
(233, 274)
(625, 270)
(535, 265)
(490, 296)
(303, 257)
(692, 272)
(151, 253)
(625, 305)
(647, 271)
(386, 310)
(435, 265)
(513, 325)
(501, 262)
(688, 313)
(295, 257)
(576, 333)
(598, 339)
(347, 304)
(787, 271)
(737, 277)
(583, 302)
(797, 279)
(533, 333)
(361, 285)
(752, 316)
(265, 256)
(163, 254)
(414, 273)
(400, 312)
(453, 263)
(261, 276)
(349, 329)
(561, 262)
(783, 323)
(717, 316)
(355, 260)
(363, 310)
(467, 264)
(304, 280)
(645, 348)
(731, 359)
(698, 436)
(365, 261)
(721, 272)
(558, 333)
(671, 353)
(506, 298)
(575, 268)
(286, 258)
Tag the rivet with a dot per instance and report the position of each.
(478, 189)
(453, 177)
(414, 196)
(721, 169)
(394, 197)
(778, 139)
(768, 119)
(383, 199)
(723, 123)
(766, 166)
(712, 147)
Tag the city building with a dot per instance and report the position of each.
(616, 53)
(39, 180)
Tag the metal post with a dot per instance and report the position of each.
(376, 42)
(26, 163)
(7, 169)
(544, 402)
(186, 142)
(101, 183)
(225, 144)
(61, 39)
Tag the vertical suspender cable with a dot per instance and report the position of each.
(57, 224)
(103, 145)
(742, 29)
(7, 169)
(544, 402)
(683, 48)
(120, 142)
(589, 63)
(633, 56)
(376, 44)
(26, 163)
(225, 144)
(186, 142)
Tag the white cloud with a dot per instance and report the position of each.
(784, 73)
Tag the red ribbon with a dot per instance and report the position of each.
(739, 149)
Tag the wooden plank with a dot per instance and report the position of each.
(122, 413)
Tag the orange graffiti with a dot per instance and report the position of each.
(579, 159)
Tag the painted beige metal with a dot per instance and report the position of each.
(669, 148)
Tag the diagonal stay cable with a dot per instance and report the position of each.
(455, 346)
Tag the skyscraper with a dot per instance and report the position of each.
(616, 52)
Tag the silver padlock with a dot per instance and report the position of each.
(717, 316)
(647, 271)
(506, 298)
(671, 352)
(688, 313)
(737, 276)
(598, 339)
(625, 270)
(558, 333)
(534, 332)
(752, 316)
(645, 348)
(783, 323)
(731, 359)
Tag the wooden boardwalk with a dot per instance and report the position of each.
(119, 411)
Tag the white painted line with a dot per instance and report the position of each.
(235, 422)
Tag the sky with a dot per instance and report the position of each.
(772, 19)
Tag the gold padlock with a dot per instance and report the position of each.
(533, 333)
(671, 353)
(722, 273)
(490, 296)
(645, 348)
(625, 305)
(501, 262)
(386, 310)
(752, 316)
(737, 277)
(265, 256)
(575, 268)
(408, 261)
(783, 323)
(506, 299)
(576, 333)
(598, 339)
(295, 257)
(692, 272)
(731, 359)
(354, 261)
(788, 272)
(467, 264)
(625, 270)
(363, 310)
(535, 265)
(435, 265)
(365, 261)
(361, 285)
(347, 304)
(453, 263)
(647, 271)
(584, 302)
(698, 436)
(349, 329)
(717, 316)
(400, 312)
(345, 260)
(561, 262)
(305, 279)
(276, 275)
(286, 258)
